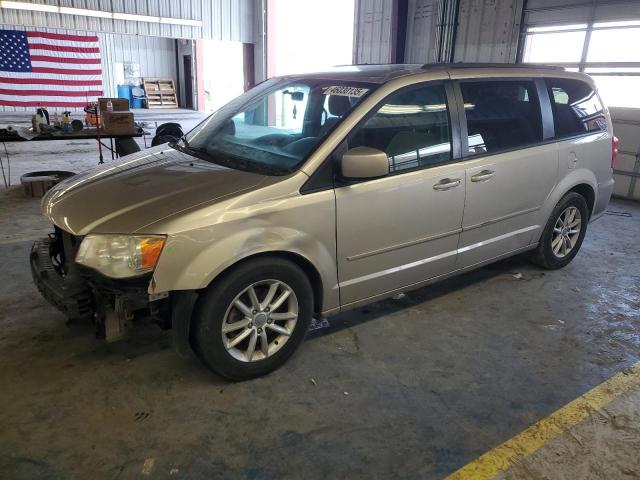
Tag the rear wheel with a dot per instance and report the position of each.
(564, 232)
(252, 319)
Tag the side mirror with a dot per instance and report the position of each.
(361, 163)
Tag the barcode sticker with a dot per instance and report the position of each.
(345, 91)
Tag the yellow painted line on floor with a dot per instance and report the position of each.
(512, 451)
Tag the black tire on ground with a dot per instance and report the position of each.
(543, 255)
(207, 338)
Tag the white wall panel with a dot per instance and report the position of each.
(626, 126)
(222, 19)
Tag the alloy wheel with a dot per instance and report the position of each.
(260, 320)
(566, 232)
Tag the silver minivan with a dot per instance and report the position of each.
(311, 194)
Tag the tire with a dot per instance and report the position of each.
(550, 253)
(217, 308)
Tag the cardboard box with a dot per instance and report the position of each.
(117, 122)
(119, 104)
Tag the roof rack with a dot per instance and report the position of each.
(489, 65)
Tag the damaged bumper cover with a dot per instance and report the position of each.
(72, 296)
(82, 294)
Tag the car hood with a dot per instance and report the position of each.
(127, 195)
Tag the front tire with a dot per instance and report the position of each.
(252, 319)
(564, 232)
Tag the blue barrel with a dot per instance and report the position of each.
(137, 102)
(124, 91)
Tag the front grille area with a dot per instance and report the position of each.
(65, 247)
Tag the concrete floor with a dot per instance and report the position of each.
(409, 388)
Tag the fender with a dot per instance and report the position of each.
(580, 176)
(197, 257)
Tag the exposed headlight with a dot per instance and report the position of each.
(120, 256)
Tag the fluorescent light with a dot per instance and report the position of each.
(83, 12)
(556, 28)
(181, 21)
(29, 6)
(135, 18)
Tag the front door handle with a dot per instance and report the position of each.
(447, 184)
(482, 176)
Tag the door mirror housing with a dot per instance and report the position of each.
(361, 163)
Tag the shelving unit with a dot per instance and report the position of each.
(160, 92)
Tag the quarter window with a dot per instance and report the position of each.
(501, 115)
(576, 107)
(412, 128)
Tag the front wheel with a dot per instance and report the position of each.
(564, 232)
(250, 321)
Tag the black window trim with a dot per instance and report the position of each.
(458, 128)
(546, 115)
(312, 185)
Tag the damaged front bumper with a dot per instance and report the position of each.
(83, 294)
(71, 295)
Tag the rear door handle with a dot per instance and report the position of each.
(482, 176)
(447, 184)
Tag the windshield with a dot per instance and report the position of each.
(274, 127)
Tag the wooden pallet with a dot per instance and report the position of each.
(160, 92)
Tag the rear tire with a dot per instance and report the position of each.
(563, 234)
(240, 331)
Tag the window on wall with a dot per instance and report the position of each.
(501, 115)
(411, 127)
(605, 50)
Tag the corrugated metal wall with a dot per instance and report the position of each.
(373, 31)
(488, 31)
(156, 56)
(222, 19)
(421, 31)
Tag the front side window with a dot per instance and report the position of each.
(576, 107)
(501, 115)
(411, 127)
(274, 127)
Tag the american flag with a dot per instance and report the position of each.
(42, 69)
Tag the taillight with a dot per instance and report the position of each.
(614, 151)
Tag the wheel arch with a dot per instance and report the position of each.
(305, 264)
(588, 193)
(581, 181)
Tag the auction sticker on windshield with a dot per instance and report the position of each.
(345, 91)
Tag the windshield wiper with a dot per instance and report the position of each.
(195, 151)
(228, 160)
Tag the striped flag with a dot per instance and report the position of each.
(40, 69)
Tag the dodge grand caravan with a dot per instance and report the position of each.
(312, 194)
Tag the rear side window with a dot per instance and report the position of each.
(411, 127)
(501, 114)
(576, 107)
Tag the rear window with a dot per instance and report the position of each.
(576, 107)
(501, 114)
